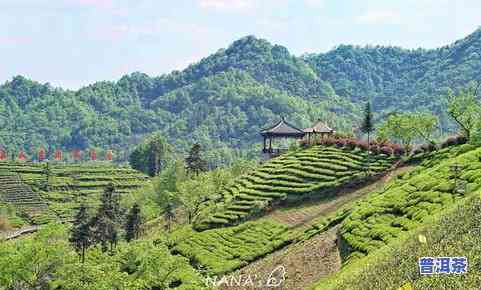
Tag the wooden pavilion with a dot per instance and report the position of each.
(319, 129)
(281, 129)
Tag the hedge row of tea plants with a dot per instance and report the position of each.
(219, 251)
(447, 176)
(452, 232)
(293, 176)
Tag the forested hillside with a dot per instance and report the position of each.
(223, 100)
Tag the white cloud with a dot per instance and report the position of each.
(227, 4)
(379, 17)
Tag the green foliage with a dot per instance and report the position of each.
(151, 155)
(408, 127)
(31, 263)
(367, 125)
(223, 100)
(397, 79)
(465, 109)
(80, 235)
(175, 188)
(194, 162)
(133, 223)
(105, 224)
(46, 261)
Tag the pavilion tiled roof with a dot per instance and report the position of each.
(319, 127)
(282, 129)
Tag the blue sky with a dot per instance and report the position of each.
(72, 43)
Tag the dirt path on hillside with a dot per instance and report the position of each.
(307, 261)
(303, 215)
(13, 234)
(304, 263)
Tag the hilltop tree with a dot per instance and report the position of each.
(193, 192)
(80, 236)
(151, 155)
(133, 223)
(194, 162)
(105, 222)
(367, 126)
(425, 125)
(401, 128)
(465, 110)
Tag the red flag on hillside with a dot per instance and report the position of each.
(22, 156)
(109, 155)
(93, 155)
(58, 155)
(77, 155)
(41, 155)
(3, 154)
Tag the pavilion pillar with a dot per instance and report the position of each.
(265, 144)
(270, 144)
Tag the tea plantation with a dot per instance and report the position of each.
(453, 232)
(61, 187)
(408, 201)
(219, 251)
(297, 175)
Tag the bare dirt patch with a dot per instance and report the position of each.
(302, 215)
(304, 263)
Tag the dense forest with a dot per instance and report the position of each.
(223, 101)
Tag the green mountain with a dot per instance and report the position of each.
(223, 100)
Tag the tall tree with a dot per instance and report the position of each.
(425, 125)
(193, 193)
(151, 155)
(133, 223)
(169, 214)
(367, 127)
(399, 128)
(465, 110)
(80, 235)
(105, 222)
(194, 162)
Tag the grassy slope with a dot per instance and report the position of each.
(290, 177)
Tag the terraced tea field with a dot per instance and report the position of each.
(410, 199)
(14, 191)
(62, 187)
(294, 176)
(219, 251)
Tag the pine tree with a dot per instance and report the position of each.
(194, 162)
(169, 214)
(105, 222)
(133, 223)
(367, 127)
(80, 236)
